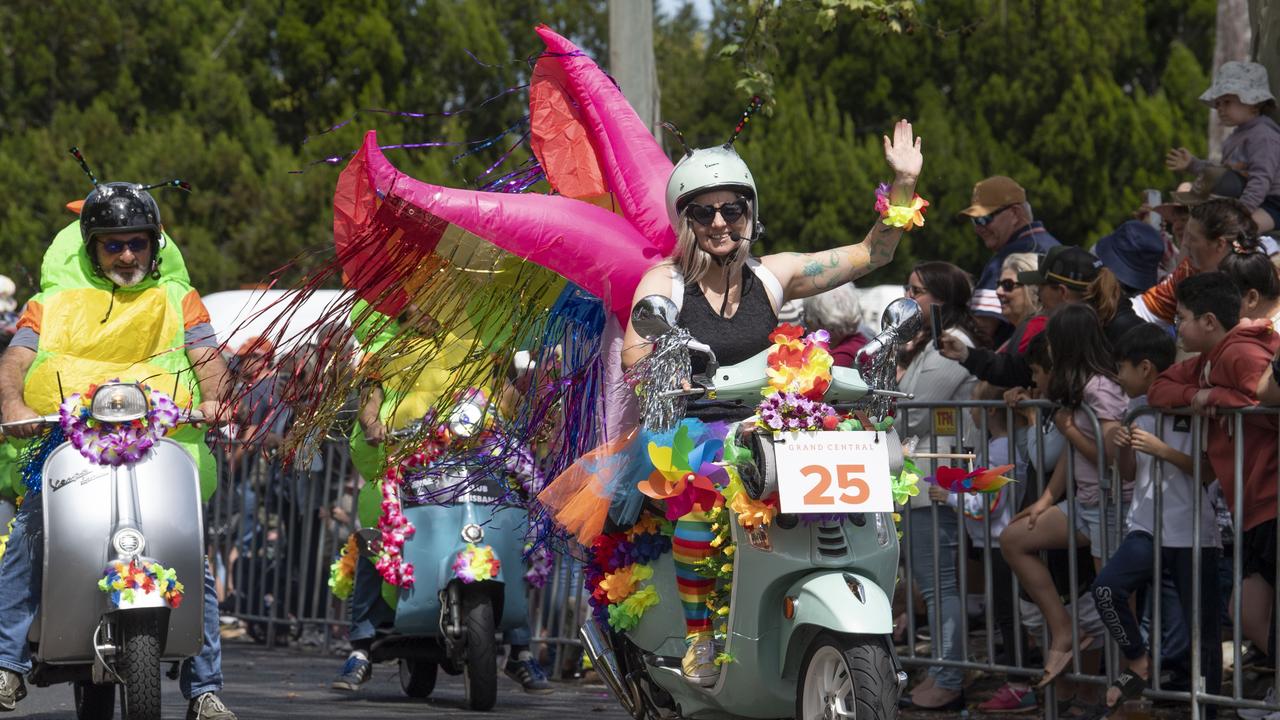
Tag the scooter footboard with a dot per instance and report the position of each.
(837, 601)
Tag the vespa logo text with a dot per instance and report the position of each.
(83, 477)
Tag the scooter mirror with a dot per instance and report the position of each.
(903, 316)
(900, 321)
(653, 316)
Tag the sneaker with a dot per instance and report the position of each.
(1252, 714)
(1009, 699)
(699, 663)
(208, 707)
(12, 689)
(526, 671)
(355, 672)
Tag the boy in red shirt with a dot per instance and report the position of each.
(1234, 354)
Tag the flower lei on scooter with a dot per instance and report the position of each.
(618, 573)
(393, 525)
(122, 582)
(116, 444)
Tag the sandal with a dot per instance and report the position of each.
(1130, 684)
(1051, 674)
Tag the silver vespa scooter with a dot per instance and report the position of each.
(96, 515)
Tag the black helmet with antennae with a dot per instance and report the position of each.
(121, 207)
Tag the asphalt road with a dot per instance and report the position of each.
(269, 684)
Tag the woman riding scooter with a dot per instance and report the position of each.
(729, 300)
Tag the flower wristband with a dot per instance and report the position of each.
(900, 216)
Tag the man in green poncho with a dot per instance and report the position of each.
(109, 307)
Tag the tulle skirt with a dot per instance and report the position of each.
(602, 484)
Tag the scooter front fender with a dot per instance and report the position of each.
(837, 601)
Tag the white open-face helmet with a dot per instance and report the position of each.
(712, 168)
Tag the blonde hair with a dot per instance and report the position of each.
(1104, 295)
(694, 262)
(1025, 262)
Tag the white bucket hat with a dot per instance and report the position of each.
(1245, 80)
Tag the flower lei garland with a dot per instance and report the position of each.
(799, 374)
(900, 216)
(618, 573)
(342, 573)
(476, 564)
(539, 561)
(116, 444)
(393, 525)
(122, 582)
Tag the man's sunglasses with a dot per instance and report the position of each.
(985, 220)
(115, 247)
(1008, 285)
(730, 211)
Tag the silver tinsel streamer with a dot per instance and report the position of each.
(665, 369)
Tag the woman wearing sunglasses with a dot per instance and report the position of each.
(729, 299)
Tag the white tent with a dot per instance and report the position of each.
(238, 315)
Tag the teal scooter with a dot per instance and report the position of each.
(449, 618)
(810, 621)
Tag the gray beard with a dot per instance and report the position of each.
(125, 278)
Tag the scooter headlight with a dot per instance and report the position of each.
(472, 533)
(128, 542)
(118, 402)
(466, 420)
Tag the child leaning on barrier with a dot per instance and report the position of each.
(1234, 354)
(1083, 375)
(1157, 453)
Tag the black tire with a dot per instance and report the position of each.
(95, 702)
(860, 668)
(417, 677)
(139, 666)
(480, 673)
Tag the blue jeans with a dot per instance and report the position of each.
(368, 609)
(946, 596)
(21, 578)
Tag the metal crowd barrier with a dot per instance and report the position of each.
(959, 432)
(272, 532)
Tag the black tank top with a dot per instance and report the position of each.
(733, 339)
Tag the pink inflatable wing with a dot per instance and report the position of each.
(632, 165)
(387, 225)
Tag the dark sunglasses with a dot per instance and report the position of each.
(115, 247)
(730, 211)
(985, 220)
(1009, 285)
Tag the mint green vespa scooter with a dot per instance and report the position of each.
(810, 616)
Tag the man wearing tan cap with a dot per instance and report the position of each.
(1002, 217)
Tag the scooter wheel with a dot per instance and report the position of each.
(139, 666)
(417, 677)
(480, 672)
(847, 675)
(95, 702)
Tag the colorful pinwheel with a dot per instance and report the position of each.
(982, 480)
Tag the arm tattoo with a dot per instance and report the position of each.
(814, 268)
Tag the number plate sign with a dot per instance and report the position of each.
(833, 472)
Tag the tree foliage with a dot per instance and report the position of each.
(1077, 99)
